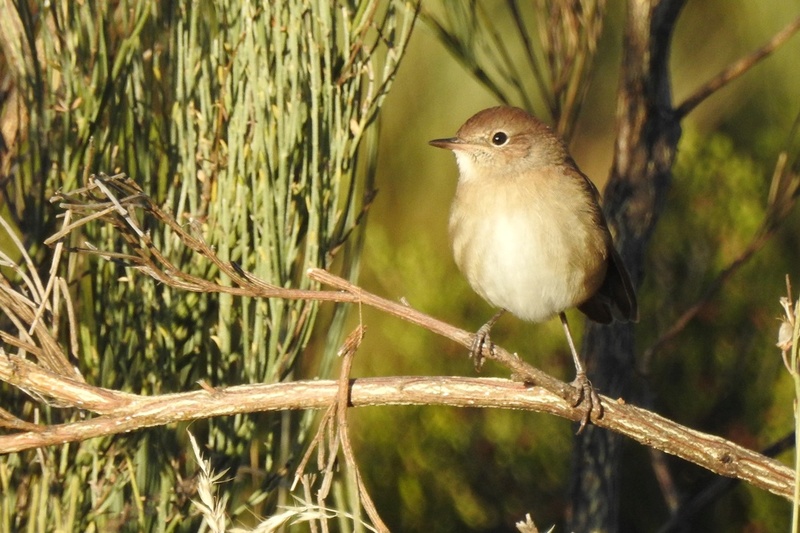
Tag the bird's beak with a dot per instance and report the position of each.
(453, 143)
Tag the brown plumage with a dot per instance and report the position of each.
(527, 229)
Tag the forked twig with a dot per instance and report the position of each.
(347, 353)
(333, 428)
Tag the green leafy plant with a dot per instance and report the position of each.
(253, 124)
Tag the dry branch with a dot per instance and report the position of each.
(137, 412)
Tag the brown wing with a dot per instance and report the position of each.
(615, 299)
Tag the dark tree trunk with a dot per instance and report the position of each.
(647, 135)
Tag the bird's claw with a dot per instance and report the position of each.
(480, 341)
(587, 395)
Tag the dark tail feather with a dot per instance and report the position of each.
(615, 299)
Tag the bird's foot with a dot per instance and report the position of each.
(480, 341)
(589, 397)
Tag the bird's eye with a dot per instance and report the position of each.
(499, 138)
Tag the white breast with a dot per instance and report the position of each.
(523, 249)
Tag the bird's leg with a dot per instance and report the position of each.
(581, 382)
(481, 340)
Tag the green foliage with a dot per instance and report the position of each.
(252, 123)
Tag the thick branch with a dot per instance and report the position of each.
(136, 412)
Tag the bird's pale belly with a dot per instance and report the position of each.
(529, 264)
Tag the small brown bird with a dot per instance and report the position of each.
(527, 230)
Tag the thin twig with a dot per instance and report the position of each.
(348, 351)
(666, 482)
(519, 368)
(40, 341)
(52, 280)
(334, 426)
(736, 69)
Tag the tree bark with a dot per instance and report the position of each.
(648, 131)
